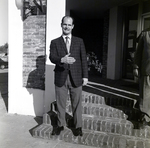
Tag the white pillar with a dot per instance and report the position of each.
(114, 59)
(4, 22)
(21, 100)
(55, 11)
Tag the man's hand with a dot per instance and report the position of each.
(68, 60)
(135, 72)
(85, 81)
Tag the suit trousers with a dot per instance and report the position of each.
(75, 94)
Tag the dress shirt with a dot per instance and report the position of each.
(69, 38)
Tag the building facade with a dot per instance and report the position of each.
(32, 96)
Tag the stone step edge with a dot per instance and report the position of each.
(44, 131)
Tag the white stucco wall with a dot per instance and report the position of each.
(30, 101)
(115, 59)
(20, 99)
(3, 22)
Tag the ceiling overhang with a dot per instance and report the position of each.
(94, 9)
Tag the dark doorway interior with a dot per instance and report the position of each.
(131, 22)
(91, 31)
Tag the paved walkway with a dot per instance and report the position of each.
(15, 132)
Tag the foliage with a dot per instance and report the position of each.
(4, 48)
(94, 65)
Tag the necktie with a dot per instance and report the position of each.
(67, 44)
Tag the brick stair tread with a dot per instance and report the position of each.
(100, 110)
(98, 124)
(108, 119)
(99, 129)
(90, 137)
(93, 105)
(112, 126)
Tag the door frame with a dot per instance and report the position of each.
(144, 16)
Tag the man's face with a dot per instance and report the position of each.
(67, 26)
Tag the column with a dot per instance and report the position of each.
(21, 100)
(114, 59)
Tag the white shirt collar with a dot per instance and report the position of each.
(66, 36)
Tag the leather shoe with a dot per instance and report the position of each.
(77, 132)
(57, 130)
(53, 131)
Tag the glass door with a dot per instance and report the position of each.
(146, 21)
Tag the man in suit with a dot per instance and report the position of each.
(68, 54)
(142, 70)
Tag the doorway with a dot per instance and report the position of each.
(146, 21)
(131, 23)
(91, 31)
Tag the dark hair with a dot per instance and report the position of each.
(67, 17)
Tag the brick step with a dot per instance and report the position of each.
(112, 92)
(99, 110)
(118, 105)
(89, 138)
(137, 143)
(100, 124)
(92, 138)
(120, 101)
(92, 98)
(103, 125)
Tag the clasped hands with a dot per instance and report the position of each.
(68, 60)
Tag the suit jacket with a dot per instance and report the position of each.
(78, 69)
(142, 54)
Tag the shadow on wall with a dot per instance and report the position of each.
(36, 85)
(36, 78)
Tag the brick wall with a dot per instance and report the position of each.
(34, 44)
(105, 44)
